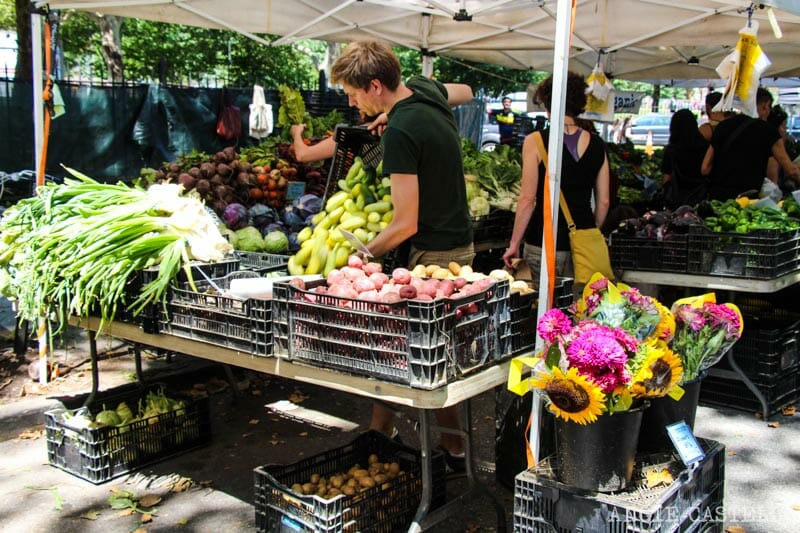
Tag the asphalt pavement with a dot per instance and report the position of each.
(212, 488)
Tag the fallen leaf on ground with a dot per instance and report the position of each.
(758, 415)
(254, 421)
(31, 434)
(658, 477)
(140, 530)
(735, 529)
(181, 522)
(149, 500)
(789, 411)
(182, 484)
(774, 424)
(146, 518)
(125, 512)
(731, 453)
(90, 515)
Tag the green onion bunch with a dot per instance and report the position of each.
(74, 248)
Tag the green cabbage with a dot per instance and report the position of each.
(479, 206)
(276, 242)
(249, 239)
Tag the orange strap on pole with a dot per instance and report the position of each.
(47, 96)
(547, 214)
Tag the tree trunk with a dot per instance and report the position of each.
(24, 67)
(111, 45)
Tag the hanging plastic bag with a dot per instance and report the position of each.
(742, 69)
(599, 96)
(260, 114)
(229, 123)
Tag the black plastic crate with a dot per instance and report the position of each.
(496, 227)
(424, 344)
(763, 254)
(206, 315)
(376, 510)
(629, 252)
(262, 263)
(778, 392)
(352, 142)
(103, 453)
(150, 317)
(769, 343)
(692, 502)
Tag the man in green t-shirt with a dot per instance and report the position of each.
(422, 156)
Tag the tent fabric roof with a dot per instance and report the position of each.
(639, 39)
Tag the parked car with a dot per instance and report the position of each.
(656, 123)
(793, 127)
(490, 135)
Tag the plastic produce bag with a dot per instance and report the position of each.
(742, 69)
(260, 114)
(771, 191)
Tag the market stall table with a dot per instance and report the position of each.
(730, 284)
(459, 392)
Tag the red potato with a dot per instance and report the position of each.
(439, 294)
(370, 296)
(363, 285)
(429, 287)
(459, 283)
(401, 276)
(447, 286)
(484, 283)
(378, 279)
(424, 297)
(408, 292)
(335, 276)
(342, 290)
(372, 268)
(355, 261)
(298, 283)
(352, 273)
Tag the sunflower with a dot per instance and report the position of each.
(660, 372)
(572, 396)
(666, 327)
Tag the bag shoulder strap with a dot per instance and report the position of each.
(561, 201)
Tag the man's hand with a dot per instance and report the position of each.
(378, 125)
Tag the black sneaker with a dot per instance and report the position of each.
(453, 463)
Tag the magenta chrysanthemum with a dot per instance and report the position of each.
(553, 324)
(597, 354)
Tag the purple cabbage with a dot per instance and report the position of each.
(261, 215)
(308, 204)
(235, 216)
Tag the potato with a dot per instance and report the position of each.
(430, 269)
(308, 488)
(394, 469)
(347, 490)
(298, 488)
(332, 493)
(352, 482)
(360, 473)
(314, 478)
(386, 486)
(386, 467)
(372, 459)
(366, 482)
(454, 267)
(419, 271)
(322, 491)
(379, 479)
(441, 273)
(337, 481)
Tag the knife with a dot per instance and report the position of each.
(356, 243)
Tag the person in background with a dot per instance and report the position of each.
(422, 156)
(736, 159)
(324, 149)
(714, 117)
(777, 119)
(584, 173)
(764, 103)
(505, 122)
(683, 160)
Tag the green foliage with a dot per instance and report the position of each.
(8, 15)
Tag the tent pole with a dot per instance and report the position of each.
(554, 151)
(554, 148)
(38, 86)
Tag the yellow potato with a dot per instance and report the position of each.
(441, 273)
(454, 267)
(360, 473)
(372, 459)
(314, 478)
(419, 271)
(348, 490)
(430, 269)
(366, 482)
(380, 478)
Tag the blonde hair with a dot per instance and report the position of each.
(364, 61)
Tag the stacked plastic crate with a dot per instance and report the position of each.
(767, 354)
(692, 501)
